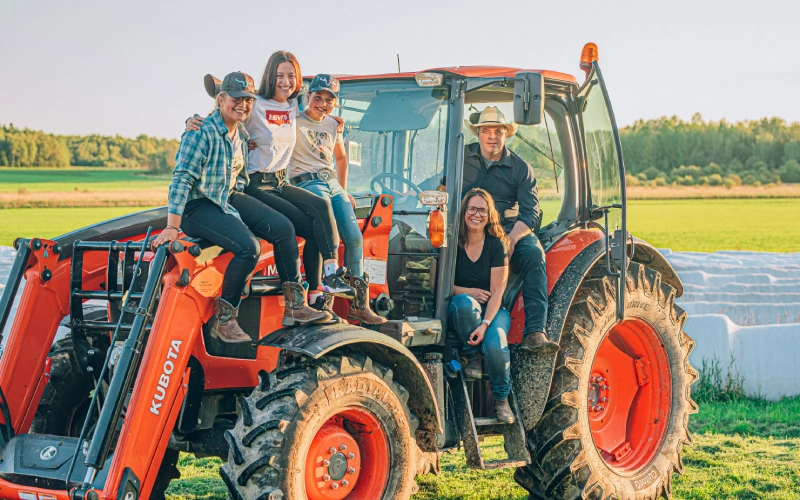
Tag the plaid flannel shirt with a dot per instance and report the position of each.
(203, 166)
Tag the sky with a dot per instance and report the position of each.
(137, 67)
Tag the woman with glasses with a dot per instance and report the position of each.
(206, 200)
(475, 313)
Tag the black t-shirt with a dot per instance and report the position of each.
(478, 274)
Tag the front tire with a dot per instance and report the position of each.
(339, 421)
(617, 415)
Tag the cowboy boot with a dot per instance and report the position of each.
(359, 306)
(225, 327)
(503, 411)
(537, 343)
(473, 368)
(296, 311)
(324, 302)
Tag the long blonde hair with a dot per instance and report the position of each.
(270, 76)
(493, 226)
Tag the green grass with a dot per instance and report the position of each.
(742, 450)
(72, 179)
(51, 222)
(769, 225)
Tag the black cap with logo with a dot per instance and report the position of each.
(238, 84)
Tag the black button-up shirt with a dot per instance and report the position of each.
(510, 181)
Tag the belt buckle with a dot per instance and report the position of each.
(325, 174)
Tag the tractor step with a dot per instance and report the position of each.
(513, 434)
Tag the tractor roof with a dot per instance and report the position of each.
(467, 72)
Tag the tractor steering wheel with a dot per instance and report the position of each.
(377, 184)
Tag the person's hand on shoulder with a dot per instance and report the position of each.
(340, 121)
(194, 123)
(251, 145)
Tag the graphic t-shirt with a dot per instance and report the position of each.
(315, 143)
(237, 163)
(271, 127)
(478, 274)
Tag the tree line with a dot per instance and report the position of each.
(697, 152)
(33, 148)
(663, 151)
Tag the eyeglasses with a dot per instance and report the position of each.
(247, 100)
(478, 210)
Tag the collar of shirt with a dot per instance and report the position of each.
(219, 125)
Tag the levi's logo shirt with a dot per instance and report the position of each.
(272, 127)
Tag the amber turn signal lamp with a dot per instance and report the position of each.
(436, 228)
(589, 54)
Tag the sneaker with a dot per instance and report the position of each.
(337, 284)
(324, 303)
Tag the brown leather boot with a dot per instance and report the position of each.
(296, 311)
(537, 343)
(225, 327)
(473, 368)
(503, 410)
(359, 306)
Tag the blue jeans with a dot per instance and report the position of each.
(345, 220)
(464, 317)
(528, 259)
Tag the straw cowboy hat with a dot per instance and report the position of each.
(491, 117)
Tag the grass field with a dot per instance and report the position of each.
(743, 450)
(701, 225)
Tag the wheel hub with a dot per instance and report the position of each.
(348, 458)
(629, 395)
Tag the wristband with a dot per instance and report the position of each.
(173, 227)
(488, 322)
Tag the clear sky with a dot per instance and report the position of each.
(136, 67)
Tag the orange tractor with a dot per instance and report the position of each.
(109, 370)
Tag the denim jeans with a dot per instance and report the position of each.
(203, 218)
(464, 317)
(345, 220)
(528, 260)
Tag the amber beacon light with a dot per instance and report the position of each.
(436, 228)
(589, 54)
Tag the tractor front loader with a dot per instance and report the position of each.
(109, 370)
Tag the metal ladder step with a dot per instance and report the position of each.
(485, 422)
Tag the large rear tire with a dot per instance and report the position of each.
(335, 428)
(617, 415)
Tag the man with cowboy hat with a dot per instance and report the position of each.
(490, 165)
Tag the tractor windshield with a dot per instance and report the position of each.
(395, 137)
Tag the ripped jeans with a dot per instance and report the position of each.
(465, 316)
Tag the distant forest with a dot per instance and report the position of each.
(664, 151)
(26, 148)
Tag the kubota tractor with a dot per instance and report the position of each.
(108, 371)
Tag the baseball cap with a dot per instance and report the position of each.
(238, 84)
(325, 82)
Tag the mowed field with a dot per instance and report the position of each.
(742, 450)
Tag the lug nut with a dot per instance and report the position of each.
(326, 463)
(334, 486)
(351, 470)
(342, 447)
(351, 456)
(326, 477)
(344, 482)
(605, 387)
(604, 400)
(332, 450)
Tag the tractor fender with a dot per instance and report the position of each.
(315, 341)
(533, 374)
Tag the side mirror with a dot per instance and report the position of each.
(528, 98)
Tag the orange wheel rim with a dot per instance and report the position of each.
(348, 458)
(630, 395)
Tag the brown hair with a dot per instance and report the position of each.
(493, 226)
(270, 77)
